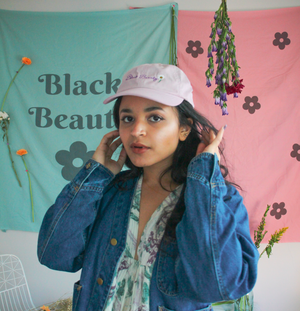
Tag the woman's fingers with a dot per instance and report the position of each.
(107, 147)
(215, 140)
(210, 142)
(200, 148)
(109, 138)
(122, 157)
(205, 135)
(113, 146)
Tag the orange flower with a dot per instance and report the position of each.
(21, 152)
(45, 308)
(26, 61)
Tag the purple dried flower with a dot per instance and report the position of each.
(227, 23)
(227, 37)
(224, 111)
(229, 28)
(224, 71)
(219, 31)
(209, 54)
(221, 103)
(217, 60)
(237, 74)
(218, 78)
(222, 58)
(217, 100)
(235, 95)
(212, 71)
(208, 84)
(223, 96)
(224, 44)
(214, 48)
(211, 34)
(221, 51)
(215, 16)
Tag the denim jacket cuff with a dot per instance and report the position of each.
(205, 166)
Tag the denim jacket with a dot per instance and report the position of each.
(212, 258)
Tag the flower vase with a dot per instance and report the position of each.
(244, 303)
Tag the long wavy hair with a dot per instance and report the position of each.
(184, 153)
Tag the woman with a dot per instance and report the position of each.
(169, 233)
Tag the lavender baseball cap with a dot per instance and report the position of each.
(166, 84)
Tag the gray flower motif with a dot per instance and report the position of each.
(251, 104)
(278, 210)
(296, 152)
(194, 48)
(281, 40)
(78, 151)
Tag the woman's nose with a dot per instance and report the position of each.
(138, 129)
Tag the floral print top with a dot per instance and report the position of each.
(130, 287)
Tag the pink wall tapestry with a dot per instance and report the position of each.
(262, 139)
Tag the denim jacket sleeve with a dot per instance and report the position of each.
(217, 258)
(66, 224)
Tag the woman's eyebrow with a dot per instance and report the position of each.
(127, 110)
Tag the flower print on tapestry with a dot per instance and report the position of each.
(73, 160)
(296, 152)
(194, 48)
(251, 104)
(281, 40)
(278, 210)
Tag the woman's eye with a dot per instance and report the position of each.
(127, 119)
(156, 118)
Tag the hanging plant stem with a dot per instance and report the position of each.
(4, 126)
(12, 81)
(227, 72)
(30, 190)
(22, 153)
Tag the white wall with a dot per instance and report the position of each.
(278, 285)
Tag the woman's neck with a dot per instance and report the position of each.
(151, 178)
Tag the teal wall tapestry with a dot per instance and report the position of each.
(55, 104)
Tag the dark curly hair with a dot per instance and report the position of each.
(184, 153)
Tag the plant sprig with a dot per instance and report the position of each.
(260, 233)
(275, 238)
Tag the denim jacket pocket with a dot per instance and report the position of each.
(166, 277)
(76, 293)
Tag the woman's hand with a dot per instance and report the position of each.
(106, 149)
(210, 142)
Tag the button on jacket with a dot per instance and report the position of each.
(212, 258)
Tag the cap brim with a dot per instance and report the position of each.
(158, 96)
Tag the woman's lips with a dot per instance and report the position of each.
(139, 148)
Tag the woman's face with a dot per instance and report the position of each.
(149, 131)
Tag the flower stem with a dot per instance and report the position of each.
(31, 197)
(12, 81)
(11, 159)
